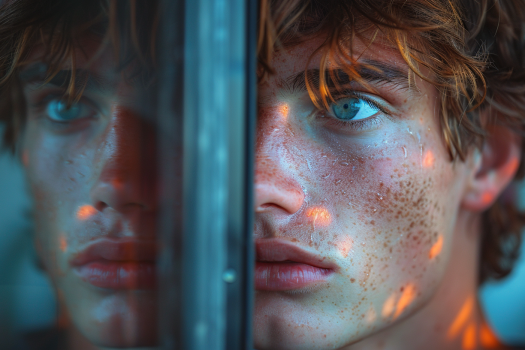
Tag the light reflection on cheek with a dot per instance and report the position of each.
(85, 212)
(319, 216)
(428, 160)
(344, 244)
(399, 301)
(436, 248)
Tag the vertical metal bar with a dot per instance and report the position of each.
(240, 231)
(170, 131)
(217, 175)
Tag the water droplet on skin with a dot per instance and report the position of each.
(308, 164)
(353, 168)
(67, 162)
(326, 176)
(338, 182)
(344, 163)
(404, 148)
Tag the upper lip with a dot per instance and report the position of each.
(130, 250)
(271, 250)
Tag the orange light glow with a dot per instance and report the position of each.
(461, 318)
(284, 109)
(511, 167)
(344, 246)
(488, 338)
(63, 243)
(388, 306)
(319, 216)
(486, 198)
(407, 297)
(469, 338)
(429, 159)
(370, 315)
(85, 212)
(436, 248)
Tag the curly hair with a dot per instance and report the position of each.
(472, 51)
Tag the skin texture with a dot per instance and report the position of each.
(378, 197)
(382, 200)
(93, 178)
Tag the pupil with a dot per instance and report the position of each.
(345, 106)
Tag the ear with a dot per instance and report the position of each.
(493, 169)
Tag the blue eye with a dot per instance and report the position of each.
(57, 111)
(353, 108)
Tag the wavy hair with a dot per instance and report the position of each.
(472, 51)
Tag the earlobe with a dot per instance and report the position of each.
(494, 169)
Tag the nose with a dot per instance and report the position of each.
(276, 181)
(127, 164)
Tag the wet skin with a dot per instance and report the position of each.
(378, 197)
(92, 176)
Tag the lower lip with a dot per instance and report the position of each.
(283, 276)
(119, 275)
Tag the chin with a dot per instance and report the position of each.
(118, 320)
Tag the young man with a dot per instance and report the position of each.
(387, 132)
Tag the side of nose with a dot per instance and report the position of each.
(126, 159)
(276, 181)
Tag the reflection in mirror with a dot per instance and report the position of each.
(387, 147)
(77, 89)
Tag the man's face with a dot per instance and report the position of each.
(91, 169)
(355, 206)
(359, 201)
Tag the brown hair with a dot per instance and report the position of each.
(472, 49)
(128, 26)
(474, 53)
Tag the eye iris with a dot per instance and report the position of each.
(347, 110)
(58, 110)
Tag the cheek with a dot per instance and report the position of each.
(57, 180)
(392, 213)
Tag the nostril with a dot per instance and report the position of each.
(263, 207)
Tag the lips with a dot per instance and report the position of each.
(118, 264)
(282, 266)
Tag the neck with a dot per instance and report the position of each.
(452, 319)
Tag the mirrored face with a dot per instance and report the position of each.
(91, 168)
(356, 204)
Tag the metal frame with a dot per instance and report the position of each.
(207, 113)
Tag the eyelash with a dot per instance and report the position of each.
(42, 101)
(356, 124)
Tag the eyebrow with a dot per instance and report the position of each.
(83, 78)
(381, 73)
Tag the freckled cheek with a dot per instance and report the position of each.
(390, 206)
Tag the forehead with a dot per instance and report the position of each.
(308, 53)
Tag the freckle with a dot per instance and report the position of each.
(352, 280)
